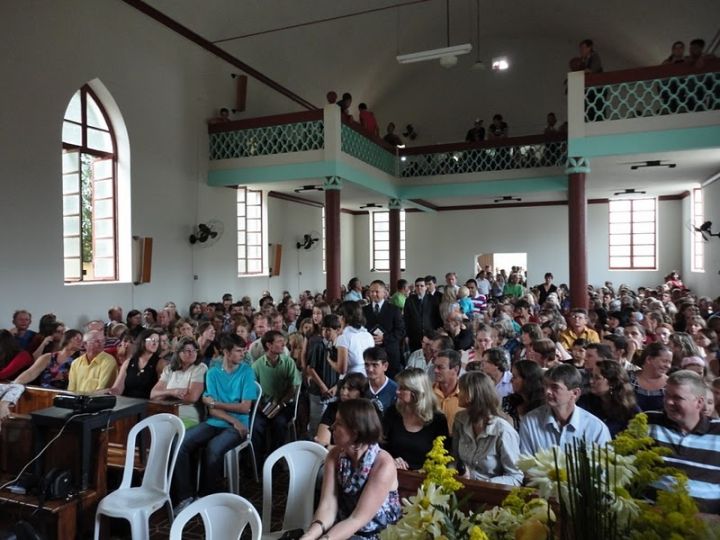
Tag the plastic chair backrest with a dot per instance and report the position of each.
(166, 435)
(304, 459)
(224, 516)
(297, 402)
(253, 414)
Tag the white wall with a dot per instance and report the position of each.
(441, 242)
(708, 283)
(541, 232)
(669, 248)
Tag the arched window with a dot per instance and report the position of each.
(89, 191)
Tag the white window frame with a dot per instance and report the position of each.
(632, 234)
(380, 241)
(697, 243)
(252, 254)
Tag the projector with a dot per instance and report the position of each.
(85, 404)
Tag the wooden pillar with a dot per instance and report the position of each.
(577, 226)
(332, 187)
(394, 206)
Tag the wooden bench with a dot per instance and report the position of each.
(481, 494)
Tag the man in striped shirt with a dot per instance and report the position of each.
(692, 438)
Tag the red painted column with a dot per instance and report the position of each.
(395, 269)
(577, 226)
(332, 237)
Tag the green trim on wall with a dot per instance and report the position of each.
(646, 141)
(271, 173)
(490, 187)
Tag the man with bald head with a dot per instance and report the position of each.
(94, 370)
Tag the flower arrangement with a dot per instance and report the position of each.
(600, 493)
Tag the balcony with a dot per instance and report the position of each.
(651, 109)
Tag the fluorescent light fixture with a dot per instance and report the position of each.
(500, 64)
(434, 54)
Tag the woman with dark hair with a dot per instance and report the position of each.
(359, 493)
(354, 340)
(611, 396)
(682, 346)
(207, 346)
(134, 322)
(649, 383)
(195, 311)
(139, 373)
(484, 444)
(13, 360)
(49, 336)
(528, 333)
(543, 353)
(528, 391)
(412, 425)
(184, 379)
(51, 370)
(353, 386)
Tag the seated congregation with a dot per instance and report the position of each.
(497, 368)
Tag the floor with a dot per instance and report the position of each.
(252, 491)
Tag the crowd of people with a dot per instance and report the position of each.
(495, 366)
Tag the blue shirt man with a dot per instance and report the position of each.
(560, 421)
(229, 395)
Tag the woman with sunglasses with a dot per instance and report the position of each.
(139, 373)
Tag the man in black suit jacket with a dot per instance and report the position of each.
(384, 321)
(421, 314)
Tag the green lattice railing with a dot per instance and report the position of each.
(267, 140)
(680, 94)
(367, 150)
(498, 158)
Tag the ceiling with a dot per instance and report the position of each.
(310, 46)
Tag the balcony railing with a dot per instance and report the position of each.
(267, 135)
(496, 155)
(651, 91)
(368, 148)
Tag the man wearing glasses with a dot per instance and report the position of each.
(577, 329)
(94, 370)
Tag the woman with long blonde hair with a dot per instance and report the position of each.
(414, 422)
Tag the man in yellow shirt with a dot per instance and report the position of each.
(577, 328)
(95, 369)
(447, 365)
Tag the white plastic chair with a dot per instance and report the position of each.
(136, 504)
(293, 422)
(304, 460)
(232, 465)
(224, 516)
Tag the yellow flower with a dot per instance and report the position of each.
(532, 530)
(538, 509)
(476, 533)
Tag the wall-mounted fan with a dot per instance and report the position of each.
(704, 230)
(308, 241)
(206, 234)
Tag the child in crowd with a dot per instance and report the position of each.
(466, 305)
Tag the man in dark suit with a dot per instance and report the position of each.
(384, 321)
(421, 314)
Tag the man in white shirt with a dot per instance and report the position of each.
(483, 285)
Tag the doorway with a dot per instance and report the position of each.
(501, 261)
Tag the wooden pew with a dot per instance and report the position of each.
(482, 495)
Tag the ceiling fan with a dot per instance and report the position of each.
(629, 193)
(635, 165)
(308, 188)
(370, 205)
(508, 198)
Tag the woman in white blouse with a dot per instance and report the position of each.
(183, 379)
(484, 443)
